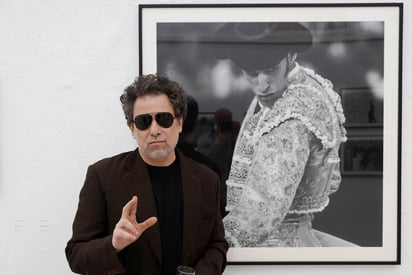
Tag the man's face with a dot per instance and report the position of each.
(269, 84)
(156, 143)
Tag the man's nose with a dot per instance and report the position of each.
(262, 78)
(262, 82)
(154, 128)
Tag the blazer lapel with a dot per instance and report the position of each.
(138, 184)
(192, 201)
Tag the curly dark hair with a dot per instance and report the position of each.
(153, 85)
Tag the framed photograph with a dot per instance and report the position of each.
(358, 48)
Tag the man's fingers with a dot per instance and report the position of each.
(126, 225)
(127, 236)
(133, 209)
(130, 208)
(123, 235)
(129, 213)
(146, 224)
(127, 230)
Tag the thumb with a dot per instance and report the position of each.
(147, 223)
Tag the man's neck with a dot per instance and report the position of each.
(160, 162)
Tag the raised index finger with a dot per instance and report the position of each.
(130, 208)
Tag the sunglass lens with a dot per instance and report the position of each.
(143, 122)
(165, 120)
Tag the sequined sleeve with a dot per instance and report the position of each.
(276, 170)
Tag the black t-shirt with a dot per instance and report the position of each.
(167, 189)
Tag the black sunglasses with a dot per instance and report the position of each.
(164, 119)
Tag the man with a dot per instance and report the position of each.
(152, 209)
(187, 138)
(221, 149)
(187, 141)
(286, 163)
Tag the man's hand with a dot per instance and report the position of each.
(127, 230)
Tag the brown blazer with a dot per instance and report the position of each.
(110, 184)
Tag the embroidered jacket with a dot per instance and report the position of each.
(286, 162)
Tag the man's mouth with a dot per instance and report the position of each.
(156, 142)
(265, 93)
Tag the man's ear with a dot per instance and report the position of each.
(131, 128)
(292, 57)
(130, 125)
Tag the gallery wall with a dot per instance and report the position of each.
(63, 65)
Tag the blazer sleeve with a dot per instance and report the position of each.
(214, 258)
(90, 250)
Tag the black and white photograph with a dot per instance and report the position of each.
(296, 109)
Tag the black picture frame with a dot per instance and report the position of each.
(158, 47)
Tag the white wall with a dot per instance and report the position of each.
(63, 65)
